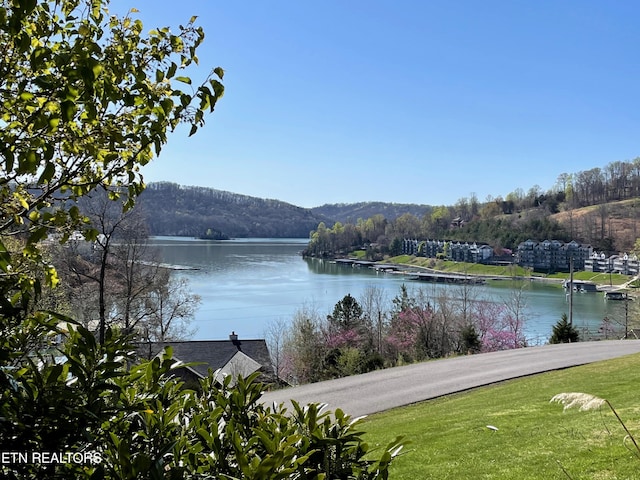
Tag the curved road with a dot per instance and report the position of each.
(394, 387)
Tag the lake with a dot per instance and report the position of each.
(246, 283)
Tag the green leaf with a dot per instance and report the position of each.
(53, 123)
(38, 235)
(68, 110)
(47, 173)
(5, 257)
(29, 162)
(172, 70)
(186, 80)
(217, 87)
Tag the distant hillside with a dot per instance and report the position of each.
(611, 226)
(173, 209)
(351, 212)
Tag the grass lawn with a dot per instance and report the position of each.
(601, 278)
(508, 271)
(459, 267)
(536, 439)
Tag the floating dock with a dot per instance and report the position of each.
(446, 278)
(435, 277)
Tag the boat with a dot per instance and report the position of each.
(580, 286)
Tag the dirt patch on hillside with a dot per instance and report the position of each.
(617, 220)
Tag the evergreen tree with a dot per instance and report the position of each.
(347, 314)
(564, 332)
(470, 339)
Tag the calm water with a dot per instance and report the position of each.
(245, 284)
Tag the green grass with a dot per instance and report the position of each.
(507, 271)
(459, 267)
(535, 439)
(599, 278)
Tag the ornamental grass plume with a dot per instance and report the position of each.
(576, 399)
(586, 401)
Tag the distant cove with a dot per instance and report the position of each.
(247, 283)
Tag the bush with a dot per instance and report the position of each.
(142, 422)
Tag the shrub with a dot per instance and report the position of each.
(142, 422)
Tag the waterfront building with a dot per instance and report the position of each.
(456, 251)
(624, 264)
(552, 255)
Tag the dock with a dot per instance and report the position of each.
(435, 277)
(446, 278)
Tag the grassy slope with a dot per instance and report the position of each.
(508, 271)
(536, 439)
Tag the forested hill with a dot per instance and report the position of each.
(351, 212)
(172, 209)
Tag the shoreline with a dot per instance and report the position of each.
(408, 269)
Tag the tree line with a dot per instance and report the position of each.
(373, 332)
(380, 236)
(500, 222)
(173, 209)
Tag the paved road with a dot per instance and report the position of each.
(384, 389)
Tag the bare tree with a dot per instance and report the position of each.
(276, 335)
(516, 306)
(117, 280)
(170, 308)
(374, 302)
(106, 217)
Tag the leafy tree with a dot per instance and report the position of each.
(402, 301)
(305, 348)
(395, 248)
(564, 332)
(85, 100)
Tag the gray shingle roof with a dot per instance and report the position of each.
(211, 354)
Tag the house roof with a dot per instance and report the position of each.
(240, 364)
(211, 354)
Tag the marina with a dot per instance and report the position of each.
(247, 284)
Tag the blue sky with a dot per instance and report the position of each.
(405, 101)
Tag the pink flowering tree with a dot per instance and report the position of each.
(342, 338)
(410, 333)
(497, 328)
